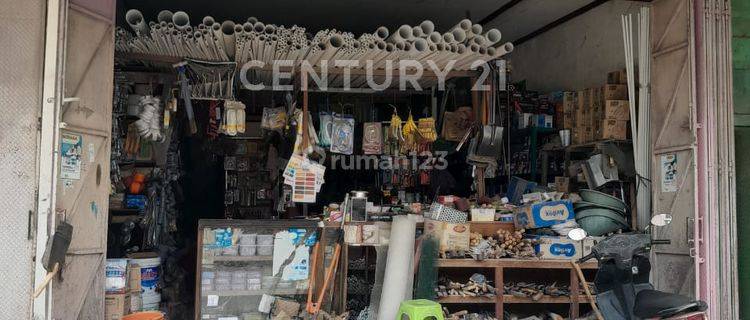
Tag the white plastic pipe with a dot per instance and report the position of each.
(464, 25)
(181, 20)
(476, 29)
(404, 32)
(381, 33)
(259, 27)
(427, 27)
(417, 32)
(492, 36)
(134, 18)
(228, 37)
(252, 20)
(435, 37)
(208, 21)
(504, 49)
(448, 37)
(164, 16)
(247, 27)
(459, 35)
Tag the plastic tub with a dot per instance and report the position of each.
(264, 250)
(248, 250)
(230, 250)
(600, 221)
(248, 239)
(265, 239)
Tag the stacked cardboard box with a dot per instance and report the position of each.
(601, 112)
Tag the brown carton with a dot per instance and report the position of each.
(617, 77)
(612, 129)
(615, 110)
(615, 92)
(562, 184)
(116, 306)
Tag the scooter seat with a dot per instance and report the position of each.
(657, 304)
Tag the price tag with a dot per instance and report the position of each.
(212, 300)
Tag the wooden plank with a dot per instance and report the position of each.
(243, 258)
(574, 294)
(466, 300)
(500, 284)
(548, 299)
(248, 293)
(512, 263)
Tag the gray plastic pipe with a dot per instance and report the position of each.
(464, 24)
(208, 21)
(134, 18)
(252, 20)
(181, 20)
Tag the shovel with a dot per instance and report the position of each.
(54, 254)
(490, 142)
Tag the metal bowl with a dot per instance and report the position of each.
(582, 205)
(603, 199)
(600, 221)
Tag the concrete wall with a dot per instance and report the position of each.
(576, 54)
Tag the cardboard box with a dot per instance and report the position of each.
(558, 248)
(615, 92)
(452, 236)
(615, 110)
(617, 77)
(597, 97)
(562, 184)
(612, 129)
(116, 306)
(134, 277)
(545, 214)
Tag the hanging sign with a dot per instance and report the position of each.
(71, 151)
(668, 173)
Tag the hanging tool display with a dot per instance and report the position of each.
(185, 95)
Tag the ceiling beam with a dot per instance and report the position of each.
(499, 11)
(564, 19)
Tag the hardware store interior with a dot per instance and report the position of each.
(311, 199)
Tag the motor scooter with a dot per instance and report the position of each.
(622, 281)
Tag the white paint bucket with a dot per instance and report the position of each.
(150, 274)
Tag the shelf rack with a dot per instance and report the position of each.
(499, 265)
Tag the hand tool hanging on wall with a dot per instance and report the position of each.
(185, 95)
(54, 254)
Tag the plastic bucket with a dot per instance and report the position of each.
(150, 274)
(149, 315)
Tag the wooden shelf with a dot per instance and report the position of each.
(467, 300)
(242, 258)
(508, 299)
(512, 263)
(546, 299)
(248, 293)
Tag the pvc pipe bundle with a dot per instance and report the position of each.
(639, 114)
(643, 162)
(210, 40)
(399, 273)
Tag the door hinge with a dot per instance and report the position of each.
(31, 231)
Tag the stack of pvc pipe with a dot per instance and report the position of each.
(242, 41)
